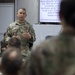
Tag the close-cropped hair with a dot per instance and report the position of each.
(15, 42)
(67, 10)
(11, 64)
(23, 9)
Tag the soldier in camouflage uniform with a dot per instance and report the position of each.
(56, 56)
(23, 30)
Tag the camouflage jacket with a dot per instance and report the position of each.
(19, 28)
(55, 56)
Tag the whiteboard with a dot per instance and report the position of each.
(49, 11)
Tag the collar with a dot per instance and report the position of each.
(68, 33)
(20, 23)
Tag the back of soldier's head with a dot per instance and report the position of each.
(67, 11)
(11, 61)
(14, 42)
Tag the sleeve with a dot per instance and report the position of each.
(6, 37)
(32, 32)
(9, 32)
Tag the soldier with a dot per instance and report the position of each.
(22, 29)
(56, 56)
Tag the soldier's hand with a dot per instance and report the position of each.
(26, 35)
(16, 37)
(3, 49)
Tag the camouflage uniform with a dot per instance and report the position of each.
(55, 56)
(18, 28)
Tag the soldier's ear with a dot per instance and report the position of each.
(60, 15)
(26, 15)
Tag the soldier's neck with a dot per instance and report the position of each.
(68, 28)
(21, 21)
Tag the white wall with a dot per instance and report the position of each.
(32, 9)
(42, 31)
(6, 17)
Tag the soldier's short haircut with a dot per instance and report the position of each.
(23, 9)
(11, 61)
(15, 42)
(67, 10)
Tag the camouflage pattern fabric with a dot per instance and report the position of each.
(55, 56)
(17, 28)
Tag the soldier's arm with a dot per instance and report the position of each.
(29, 35)
(32, 33)
(6, 38)
(8, 34)
(10, 31)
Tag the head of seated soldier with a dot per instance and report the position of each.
(14, 42)
(11, 62)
